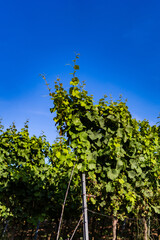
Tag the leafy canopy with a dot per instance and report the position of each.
(119, 153)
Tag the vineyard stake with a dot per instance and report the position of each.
(84, 209)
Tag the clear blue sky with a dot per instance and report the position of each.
(119, 43)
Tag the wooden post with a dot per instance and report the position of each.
(84, 209)
(114, 227)
(145, 229)
(149, 227)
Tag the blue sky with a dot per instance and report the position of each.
(119, 46)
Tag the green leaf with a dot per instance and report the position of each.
(76, 93)
(94, 135)
(101, 122)
(120, 132)
(79, 166)
(140, 183)
(76, 121)
(133, 163)
(131, 174)
(109, 187)
(156, 209)
(111, 117)
(76, 67)
(148, 193)
(119, 164)
(139, 170)
(98, 143)
(90, 116)
(129, 208)
(112, 174)
(58, 154)
(92, 166)
(125, 138)
(93, 200)
(83, 136)
(129, 129)
(74, 82)
(91, 156)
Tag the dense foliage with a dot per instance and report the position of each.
(120, 155)
(34, 177)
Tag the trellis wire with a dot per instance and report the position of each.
(36, 233)
(5, 228)
(133, 219)
(76, 227)
(60, 222)
(124, 232)
(104, 215)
